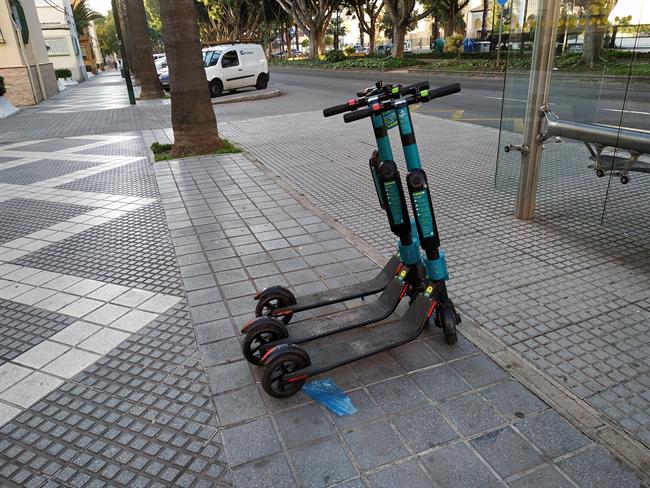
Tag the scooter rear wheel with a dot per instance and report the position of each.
(259, 334)
(272, 300)
(272, 375)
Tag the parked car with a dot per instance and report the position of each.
(384, 49)
(160, 63)
(163, 76)
(232, 66)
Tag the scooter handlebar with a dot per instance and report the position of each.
(417, 97)
(443, 91)
(363, 95)
(358, 114)
(338, 109)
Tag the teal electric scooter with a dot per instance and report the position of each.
(287, 365)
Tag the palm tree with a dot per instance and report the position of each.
(193, 119)
(83, 15)
(144, 65)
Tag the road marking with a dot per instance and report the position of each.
(636, 112)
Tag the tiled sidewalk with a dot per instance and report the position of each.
(568, 294)
(429, 414)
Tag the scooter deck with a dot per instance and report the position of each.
(336, 295)
(326, 355)
(380, 309)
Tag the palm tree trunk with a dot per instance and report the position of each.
(149, 82)
(486, 7)
(193, 119)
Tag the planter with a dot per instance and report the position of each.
(60, 83)
(6, 108)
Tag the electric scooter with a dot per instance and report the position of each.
(279, 301)
(287, 365)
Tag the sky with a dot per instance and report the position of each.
(101, 6)
(639, 9)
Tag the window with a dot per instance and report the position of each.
(230, 59)
(57, 47)
(211, 58)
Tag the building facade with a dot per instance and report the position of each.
(24, 64)
(60, 34)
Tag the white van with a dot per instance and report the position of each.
(232, 66)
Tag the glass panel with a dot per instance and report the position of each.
(610, 93)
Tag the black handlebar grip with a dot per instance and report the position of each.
(443, 91)
(337, 109)
(357, 114)
(416, 87)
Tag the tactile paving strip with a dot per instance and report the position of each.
(133, 250)
(141, 416)
(23, 327)
(21, 216)
(136, 179)
(42, 170)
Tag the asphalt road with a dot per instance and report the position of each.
(480, 102)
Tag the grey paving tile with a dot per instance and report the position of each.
(513, 399)
(546, 477)
(479, 370)
(12, 373)
(440, 383)
(424, 428)
(595, 466)
(405, 474)
(30, 389)
(471, 413)
(415, 355)
(443, 466)
(374, 444)
(303, 424)
(250, 441)
(507, 452)
(239, 405)
(323, 464)
(224, 377)
(271, 472)
(397, 395)
(553, 435)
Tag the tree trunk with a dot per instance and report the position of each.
(371, 35)
(193, 119)
(399, 33)
(287, 39)
(486, 7)
(149, 82)
(313, 45)
(595, 29)
(612, 40)
(127, 38)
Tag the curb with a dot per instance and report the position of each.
(577, 411)
(470, 74)
(247, 96)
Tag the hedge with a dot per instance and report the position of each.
(63, 73)
(3, 88)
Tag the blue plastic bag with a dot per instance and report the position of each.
(327, 393)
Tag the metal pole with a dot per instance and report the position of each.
(500, 32)
(125, 65)
(538, 89)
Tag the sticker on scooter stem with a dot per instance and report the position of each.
(423, 211)
(390, 119)
(394, 201)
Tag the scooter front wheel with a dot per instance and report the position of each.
(285, 363)
(260, 333)
(448, 321)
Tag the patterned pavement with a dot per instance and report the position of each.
(123, 288)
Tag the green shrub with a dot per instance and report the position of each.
(162, 152)
(88, 68)
(63, 73)
(3, 88)
(454, 44)
(348, 50)
(335, 56)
